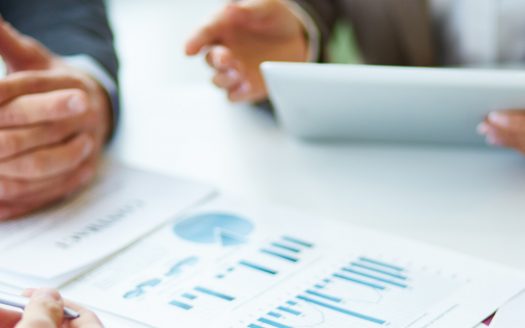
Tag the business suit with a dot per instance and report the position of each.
(66, 27)
(76, 78)
(389, 32)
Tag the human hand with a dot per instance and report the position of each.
(54, 120)
(505, 129)
(242, 36)
(46, 310)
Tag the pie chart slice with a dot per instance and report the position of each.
(214, 228)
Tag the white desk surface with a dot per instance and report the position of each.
(470, 200)
(174, 121)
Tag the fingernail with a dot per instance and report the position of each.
(76, 104)
(499, 119)
(482, 128)
(245, 88)
(493, 141)
(233, 74)
(217, 62)
(241, 92)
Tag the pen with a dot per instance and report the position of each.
(20, 302)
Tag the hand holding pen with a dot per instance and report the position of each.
(46, 309)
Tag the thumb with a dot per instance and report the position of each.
(44, 310)
(21, 52)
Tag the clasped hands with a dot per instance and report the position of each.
(54, 120)
(246, 33)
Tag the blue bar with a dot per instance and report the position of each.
(279, 255)
(327, 280)
(252, 325)
(213, 293)
(319, 286)
(357, 281)
(258, 267)
(273, 323)
(345, 311)
(386, 281)
(287, 309)
(292, 303)
(325, 296)
(286, 247)
(181, 305)
(298, 241)
(383, 264)
(274, 314)
(189, 296)
(393, 275)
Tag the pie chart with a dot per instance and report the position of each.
(214, 228)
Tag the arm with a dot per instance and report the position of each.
(66, 27)
(242, 36)
(56, 109)
(77, 30)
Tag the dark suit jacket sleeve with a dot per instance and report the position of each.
(66, 27)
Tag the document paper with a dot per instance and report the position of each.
(511, 314)
(121, 206)
(230, 264)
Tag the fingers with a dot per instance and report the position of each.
(206, 36)
(12, 191)
(87, 318)
(21, 52)
(229, 75)
(45, 310)
(49, 162)
(243, 92)
(43, 107)
(43, 194)
(227, 68)
(505, 129)
(17, 141)
(228, 80)
(222, 59)
(30, 82)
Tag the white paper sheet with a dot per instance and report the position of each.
(228, 264)
(511, 315)
(122, 205)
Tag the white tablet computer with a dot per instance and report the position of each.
(378, 103)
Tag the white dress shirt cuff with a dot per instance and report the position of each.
(312, 30)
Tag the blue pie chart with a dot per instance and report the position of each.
(214, 228)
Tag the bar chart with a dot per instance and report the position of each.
(363, 292)
(244, 278)
(260, 268)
